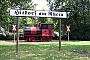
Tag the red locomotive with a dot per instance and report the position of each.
(41, 32)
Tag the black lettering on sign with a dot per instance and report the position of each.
(25, 12)
(50, 13)
(20, 11)
(67, 15)
(35, 12)
(40, 13)
(61, 14)
(30, 13)
(17, 12)
(55, 14)
(43, 13)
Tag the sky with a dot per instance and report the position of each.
(41, 4)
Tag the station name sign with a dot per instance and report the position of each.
(38, 13)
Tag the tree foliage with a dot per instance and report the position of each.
(6, 20)
(79, 17)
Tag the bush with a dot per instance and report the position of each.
(7, 37)
(2, 37)
(10, 37)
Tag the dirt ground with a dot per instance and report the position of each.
(25, 41)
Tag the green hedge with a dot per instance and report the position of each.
(7, 37)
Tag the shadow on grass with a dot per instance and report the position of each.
(77, 49)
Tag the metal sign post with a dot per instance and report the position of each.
(14, 36)
(68, 30)
(59, 34)
(13, 30)
(17, 42)
(68, 36)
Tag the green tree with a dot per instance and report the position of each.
(5, 19)
(79, 16)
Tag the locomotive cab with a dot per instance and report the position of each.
(41, 32)
(47, 29)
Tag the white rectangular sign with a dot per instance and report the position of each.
(38, 13)
(51, 14)
(22, 12)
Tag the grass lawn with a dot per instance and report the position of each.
(72, 50)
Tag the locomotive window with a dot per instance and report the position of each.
(44, 26)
